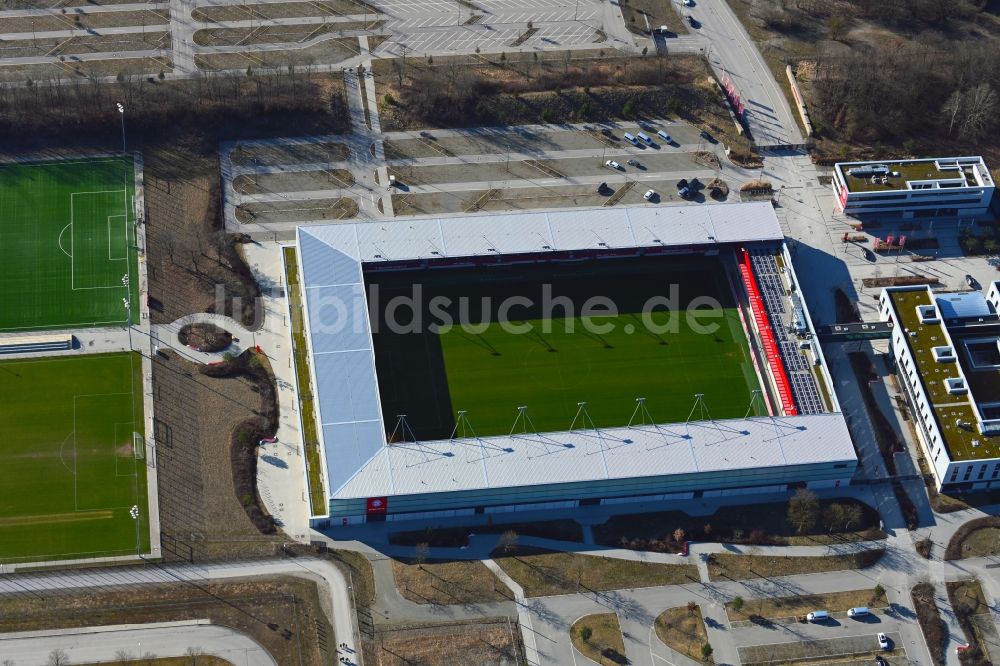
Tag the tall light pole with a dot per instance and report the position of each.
(125, 280)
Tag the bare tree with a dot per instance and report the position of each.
(58, 657)
(952, 108)
(980, 111)
(193, 653)
(508, 541)
(852, 516)
(123, 658)
(420, 553)
(803, 510)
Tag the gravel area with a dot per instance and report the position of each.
(831, 647)
(331, 51)
(21, 48)
(279, 10)
(276, 34)
(273, 154)
(147, 66)
(97, 20)
(293, 181)
(297, 211)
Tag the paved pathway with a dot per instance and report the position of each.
(163, 639)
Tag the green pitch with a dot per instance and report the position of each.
(489, 372)
(68, 472)
(66, 241)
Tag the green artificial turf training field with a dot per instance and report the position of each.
(490, 372)
(66, 241)
(68, 475)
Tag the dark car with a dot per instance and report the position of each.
(683, 188)
(971, 281)
(602, 188)
(706, 136)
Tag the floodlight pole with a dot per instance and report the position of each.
(128, 286)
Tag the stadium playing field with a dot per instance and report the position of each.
(489, 372)
(66, 241)
(68, 472)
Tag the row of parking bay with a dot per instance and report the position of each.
(456, 171)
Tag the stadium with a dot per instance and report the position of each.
(479, 364)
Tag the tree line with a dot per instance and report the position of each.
(85, 108)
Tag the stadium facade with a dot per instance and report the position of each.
(802, 440)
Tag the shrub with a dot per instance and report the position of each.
(706, 651)
(586, 633)
(389, 99)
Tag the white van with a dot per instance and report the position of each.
(663, 135)
(818, 616)
(630, 139)
(857, 611)
(644, 137)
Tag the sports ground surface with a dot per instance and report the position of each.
(490, 372)
(68, 472)
(66, 241)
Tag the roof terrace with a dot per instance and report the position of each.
(956, 414)
(952, 172)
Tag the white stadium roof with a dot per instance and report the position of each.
(359, 463)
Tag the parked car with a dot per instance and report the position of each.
(689, 3)
(692, 22)
(857, 611)
(683, 188)
(883, 641)
(634, 163)
(666, 137)
(971, 281)
(880, 660)
(602, 188)
(645, 138)
(611, 164)
(649, 195)
(818, 616)
(706, 136)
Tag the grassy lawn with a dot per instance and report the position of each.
(549, 358)
(66, 241)
(603, 643)
(683, 630)
(69, 474)
(543, 573)
(314, 466)
(750, 523)
(448, 582)
(984, 542)
(780, 607)
(727, 566)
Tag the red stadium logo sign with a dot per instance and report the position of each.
(377, 505)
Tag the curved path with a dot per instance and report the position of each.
(166, 335)
(165, 639)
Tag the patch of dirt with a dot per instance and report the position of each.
(193, 265)
(201, 515)
(493, 642)
(205, 337)
(283, 614)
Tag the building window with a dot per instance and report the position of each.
(982, 473)
(954, 475)
(996, 471)
(968, 473)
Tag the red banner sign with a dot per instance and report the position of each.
(377, 505)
